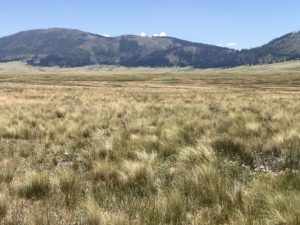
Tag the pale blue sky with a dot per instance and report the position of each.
(248, 23)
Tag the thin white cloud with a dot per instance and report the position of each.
(161, 34)
(106, 35)
(232, 45)
(143, 34)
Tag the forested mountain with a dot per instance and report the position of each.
(280, 49)
(71, 48)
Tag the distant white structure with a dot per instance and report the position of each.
(232, 45)
(106, 35)
(143, 34)
(161, 34)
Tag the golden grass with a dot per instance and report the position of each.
(150, 146)
(3, 206)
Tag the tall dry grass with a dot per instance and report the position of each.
(150, 146)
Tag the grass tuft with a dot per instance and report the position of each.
(3, 206)
(70, 186)
(36, 186)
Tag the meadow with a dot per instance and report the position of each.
(121, 146)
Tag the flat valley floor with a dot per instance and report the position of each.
(150, 146)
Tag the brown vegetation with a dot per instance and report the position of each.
(150, 146)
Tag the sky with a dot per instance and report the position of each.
(232, 23)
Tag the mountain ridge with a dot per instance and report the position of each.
(71, 48)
